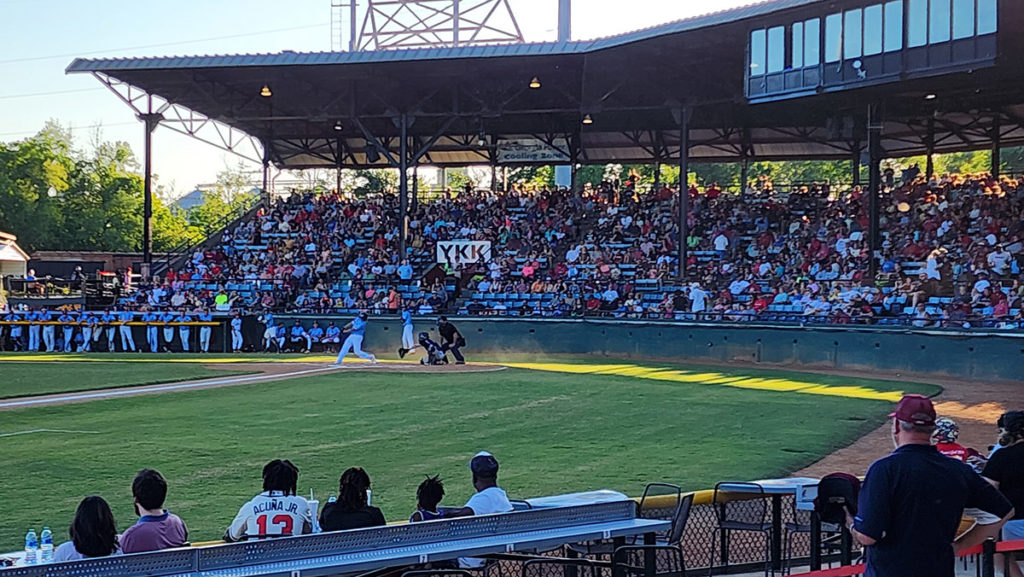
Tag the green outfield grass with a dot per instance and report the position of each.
(553, 431)
(21, 379)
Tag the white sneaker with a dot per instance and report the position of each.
(373, 360)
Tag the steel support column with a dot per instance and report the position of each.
(855, 163)
(415, 200)
(744, 174)
(684, 188)
(574, 158)
(874, 186)
(338, 156)
(929, 147)
(657, 175)
(266, 179)
(997, 145)
(150, 120)
(403, 184)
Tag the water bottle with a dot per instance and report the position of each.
(31, 546)
(46, 545)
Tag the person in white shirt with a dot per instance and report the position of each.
(698, 299)
(721, 243)
(489, 498)
(738, 286)
(275, 512)
(999, 260)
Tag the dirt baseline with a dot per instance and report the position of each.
(264, 373)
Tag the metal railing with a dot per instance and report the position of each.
(177, 254)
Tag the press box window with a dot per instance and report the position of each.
(963, 19)
(894, 26)
(852, 35)
(917, 23)
(812, 42)
(833, 37)
(797, 58)
(758, 48)
(988, 17)
(776, 49)
(873, 30)
(938, 22)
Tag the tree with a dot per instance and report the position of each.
(232, 194)
(96, 201)
(375, 180)
(538, 176)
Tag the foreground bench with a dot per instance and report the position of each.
(363, 550)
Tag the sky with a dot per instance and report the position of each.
(39, 38)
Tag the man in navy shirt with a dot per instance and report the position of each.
(912, 501)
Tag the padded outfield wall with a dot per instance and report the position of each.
(963, 354)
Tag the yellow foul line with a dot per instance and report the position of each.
(720, 379)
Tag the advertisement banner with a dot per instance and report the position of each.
(533, 151)
(458, 253)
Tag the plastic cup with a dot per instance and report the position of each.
(314, 510)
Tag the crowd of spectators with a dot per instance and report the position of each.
(277, 511)
(951, 254)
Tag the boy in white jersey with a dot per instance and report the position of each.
(275, 512)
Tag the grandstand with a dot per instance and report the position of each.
(764, 96)
(925, 265)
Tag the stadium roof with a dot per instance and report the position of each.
(462, 102)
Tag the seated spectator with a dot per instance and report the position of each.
(946, 434)
(277, 511)
(351, 510)
(93, 533)
(1005, 470)
(156, 528)
(428, 496)
(489, 498)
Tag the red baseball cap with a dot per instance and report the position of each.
(915, 409)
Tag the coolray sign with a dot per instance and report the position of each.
(532, 150)
(456, 253)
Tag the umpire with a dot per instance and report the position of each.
(451, 339)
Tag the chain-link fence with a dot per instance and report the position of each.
(743, 549)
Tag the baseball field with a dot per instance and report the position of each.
(556, 425)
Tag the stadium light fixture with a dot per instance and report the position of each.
(587, 120)
(265, 91)
(535, 83)
(930, 96)
(338, 126)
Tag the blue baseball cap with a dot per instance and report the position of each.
(484, 464)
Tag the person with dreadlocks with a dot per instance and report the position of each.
(945, 436)
(352, 510)
(277, 511)
(428, 496)
(1005, 470)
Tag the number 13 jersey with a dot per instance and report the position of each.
(271, 514)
